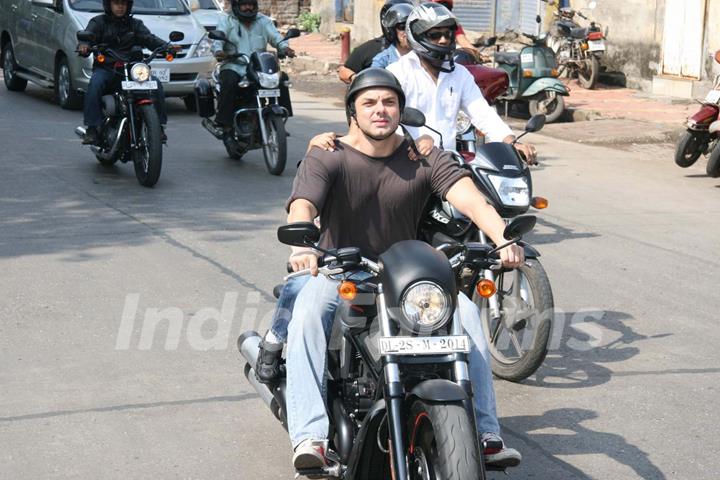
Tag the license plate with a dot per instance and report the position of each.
(595, 45)
(149, 85)
(713, 96)
(424, 345)
(527, 58)
(162, 74)
(269, 93)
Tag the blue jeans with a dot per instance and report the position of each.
(312, 318)
(100, 84)
(285, 305)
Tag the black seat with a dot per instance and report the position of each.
(579, 32)
(508, 58)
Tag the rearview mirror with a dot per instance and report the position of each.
(490, 41)
(519, 226)
(217, 35)
(412, 117)
(85, 36)
(292, 33)
(176, 36)
(299, 234)
(536, 123)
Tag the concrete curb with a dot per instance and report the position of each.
(301, 64)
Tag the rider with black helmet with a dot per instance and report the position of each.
(247, 31)
(393, 27)
(370, 175)
(362, 56)
(120, 32)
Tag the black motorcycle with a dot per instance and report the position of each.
(518, 317)
(131, 127)
(399, 396)
(256, 126)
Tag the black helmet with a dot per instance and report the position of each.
(395, 15)
(108, 11)
(372, 78)
(245, 15)
(424, 18)
(390, 3)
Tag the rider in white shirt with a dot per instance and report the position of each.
(439, 88)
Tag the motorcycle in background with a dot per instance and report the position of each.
(131, 124)
(255, 126)
(517, 317)
(578, 49)
(703, 132)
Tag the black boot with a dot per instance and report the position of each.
(90, 137)
(268, 362)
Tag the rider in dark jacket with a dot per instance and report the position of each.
(117, 29)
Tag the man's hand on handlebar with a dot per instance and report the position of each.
(289, 52)
(220, 55)
(303, 259)
(529, 152)
(512, 256)
(84, 50)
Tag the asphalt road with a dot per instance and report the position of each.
(89, 261)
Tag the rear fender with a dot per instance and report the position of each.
(707, 114)
(543, 84)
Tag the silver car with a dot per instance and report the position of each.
(38, 44)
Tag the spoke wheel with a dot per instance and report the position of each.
(518, 339)
(12, 81)
(148, 154)
(275, 152)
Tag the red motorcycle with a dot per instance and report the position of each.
(703, 132)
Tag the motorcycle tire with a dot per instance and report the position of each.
(713, 165)
(537, 294)
(689, 148)
(552, 108)
(148, 158)
(12, 81)
(190, 103)
(275, 152)
(588, 77)
(443, 443)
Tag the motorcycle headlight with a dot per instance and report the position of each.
(513, 192)
(426, 306)
(140, 72)
(463, 122)
(269, 80)
(204, 48)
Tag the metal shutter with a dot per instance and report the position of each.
(475, 15)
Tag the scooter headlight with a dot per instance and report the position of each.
(426, 306)
(140, 72)
(463, 122)
(269, 80)
(513, 192)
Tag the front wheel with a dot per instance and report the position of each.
(549, 103)
(148, 154)
(589, 72)
(713, 165)
(443, 443)
(689, 148)
(12, 81)
(518, 339)
(275, 152)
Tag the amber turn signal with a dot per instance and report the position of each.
(539, 202)
(554, 72)
(347, 290)
(486, 288)
(527, 73)
(584, 46)
(169, 57)
(717, 56)
(100, 58)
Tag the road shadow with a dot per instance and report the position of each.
(558, 233)
(582, 344)
(575, 438)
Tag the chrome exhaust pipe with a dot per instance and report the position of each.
(80, 131)
(249, 346)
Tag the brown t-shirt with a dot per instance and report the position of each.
(369, 202)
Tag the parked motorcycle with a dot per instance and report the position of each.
(578, 49)
(398, 395)
(533, 73)
(131, 126)
(256, 126)
(703, 132)
(518, 317)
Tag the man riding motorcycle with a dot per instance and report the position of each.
(371, 175)
(119, 31)
(247, 31)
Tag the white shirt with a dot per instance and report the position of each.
(441, 102)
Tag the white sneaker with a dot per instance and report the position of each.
(310, 454)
